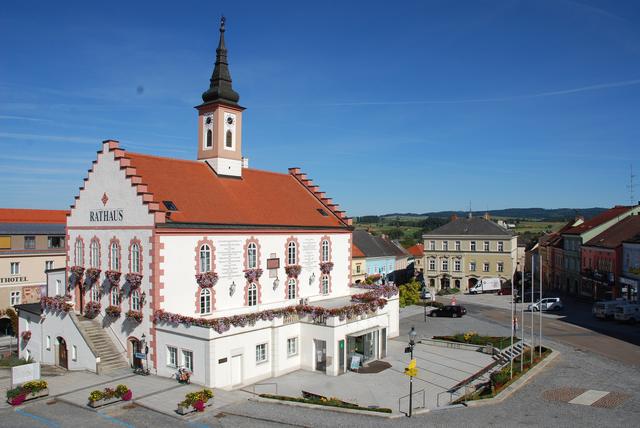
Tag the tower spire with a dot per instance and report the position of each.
(220, 83)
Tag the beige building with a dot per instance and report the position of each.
(31, 242)
(358, 265)
(459, 253)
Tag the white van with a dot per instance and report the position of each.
(486, 285)
(628, 313)
(607, 309)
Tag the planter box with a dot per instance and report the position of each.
(186, 410)
(103, 402)
(33, 395)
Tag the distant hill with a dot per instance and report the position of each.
(557, 214)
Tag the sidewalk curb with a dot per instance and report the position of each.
(515, 386)
(328, 408)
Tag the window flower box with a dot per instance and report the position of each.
(207, 279)
(293, 270)
(326, 267)
(113, 277)
(252, 275)
(91, 275)
(134, 315)
(195, 402)
(27, 391)
(25, 335)
(58, 303)
(76, 275)
(113, 311)
(134, 280)
(99, 398)
(92, 309)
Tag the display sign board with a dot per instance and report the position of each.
(273, 263)
(139, 355)
(24, 373)
(355, 362)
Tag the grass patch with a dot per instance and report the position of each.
(13, 361)
(331, 402)
(502, 379)
(499, 342)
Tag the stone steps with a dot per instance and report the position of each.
(110, 358)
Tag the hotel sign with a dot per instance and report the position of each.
(13, 279)
(103, 216)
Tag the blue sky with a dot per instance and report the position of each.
(389, 106)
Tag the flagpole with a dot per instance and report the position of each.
(522, 317)
(533, 288)
(540, 333)
(513, 302)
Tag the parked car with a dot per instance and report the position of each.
(453, 311)
(547, 304)
(425, 294)
(607, 309)
(628, 313)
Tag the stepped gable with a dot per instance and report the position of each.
(131, 174)
(596, 221)
(320, 196)
(474, 226)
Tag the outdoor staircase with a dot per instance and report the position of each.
(101, 344)
(510, 352)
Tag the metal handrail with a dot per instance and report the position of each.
(264, 384)
(413, 407)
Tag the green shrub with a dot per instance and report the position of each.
(332, 402)
(409, 293)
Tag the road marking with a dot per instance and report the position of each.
(589, 397)
(45, 421)
(115, 420)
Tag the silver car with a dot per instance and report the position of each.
(547, 304)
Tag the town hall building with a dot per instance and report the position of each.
(234, 273)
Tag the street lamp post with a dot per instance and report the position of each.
(412, 343)
(146, 351)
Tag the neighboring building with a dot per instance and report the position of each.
(630, 278)
(379, 253)
(358, 265)
(417, 251)
(576, 236)
(31, 242)
(602, 259)
(465, 250)
(235, 273)
(550, 249)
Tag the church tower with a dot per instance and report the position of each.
(220, 119)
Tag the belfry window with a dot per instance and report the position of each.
(229, 139)
(209, 141)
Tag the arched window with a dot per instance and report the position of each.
(135, 258)
(325, 251)
(252, 295)
(252, 256)
(291, 253)
(205, 301)
(79, 252)
(114, 249)
(209, 141)
(229, 139)
(291, 289)
(95, 292)
(135, 300)
(324, 284)
(115, 296)
(205, 258)
(94, 254)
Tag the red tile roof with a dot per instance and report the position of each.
(259, 198)
(616, 234)
(20, 215)
(598, 220)
(416, 250)
(356, 252)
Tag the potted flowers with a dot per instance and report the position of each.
(326, 267)
(195, 401)
(113, 277)
(99, 398)
(92, 309)
(293, 270)
(91, 275)
(58, 303)
(25, 335)
(134, 315)
(27, 391)
(113, 311)
(76, 275)
(207, 279)
(134, 280)
(252, 275)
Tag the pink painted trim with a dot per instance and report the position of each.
(213, 300)
(212, 231)
(328, 239)
(320, 284)
(116, 241)
(131, 300)
(156, 286)
(286, 288)
(246, 292)
(350, 245)
(251, 240)
(200, 243)
(75, 252)
(286, 250)
(111, 227)
(115, 290)
(97, 240)
(135, 240)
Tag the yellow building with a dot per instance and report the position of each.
(31, 242)
(358, 265)
(459, 253)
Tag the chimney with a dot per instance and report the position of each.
(454, 217)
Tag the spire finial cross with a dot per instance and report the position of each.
(222, 20)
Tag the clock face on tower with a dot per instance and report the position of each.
(230, 120)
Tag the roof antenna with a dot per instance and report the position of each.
(630, 186)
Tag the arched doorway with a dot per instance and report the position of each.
(6, 329)
(471, 283)
(457, 283)
(445, 283)
(134, 347)
(432, 282)
(63, 360)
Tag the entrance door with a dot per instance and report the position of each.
(135, 347)
(341, 350)
(321, 355)
(236, 370)
(383, 343)
(62, 353)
